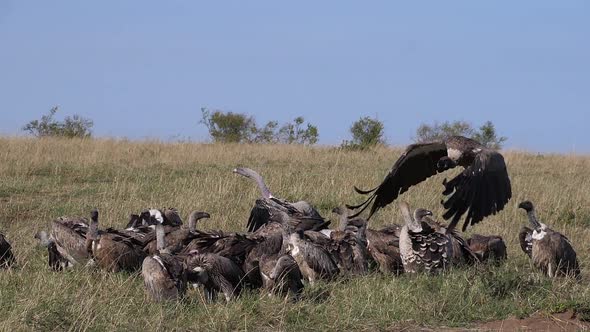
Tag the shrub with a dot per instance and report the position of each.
(74, 126)
(486, 134)
(366, 132)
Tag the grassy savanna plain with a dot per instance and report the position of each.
(44, 179)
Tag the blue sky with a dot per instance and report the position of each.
(145, 68)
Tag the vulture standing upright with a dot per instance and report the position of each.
(299, 215)
(482, 189)
(422, 247)
(550, 250)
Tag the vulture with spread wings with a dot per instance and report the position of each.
(482, 189)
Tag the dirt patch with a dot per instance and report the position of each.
(566, 321)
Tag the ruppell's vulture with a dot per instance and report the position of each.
(482, 189)
(422, 247)
(299, 215)
(550, 251)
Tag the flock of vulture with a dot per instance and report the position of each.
(289, 244)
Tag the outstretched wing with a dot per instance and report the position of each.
(483, 188)
(415, 165)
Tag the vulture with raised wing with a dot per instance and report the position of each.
(6, 256)
(550, 251)
(66, 241)
(299, 215)
(482, 189)
(164, 274)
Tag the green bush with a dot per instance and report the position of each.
(74, 126)
(366, 132)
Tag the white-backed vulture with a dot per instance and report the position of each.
(179, 238)
(69, 235)
(112, 251)
(216, 273)
(482, 189)
(297, 215)
(382, 246)
(549, 250)
(281, 274)
(6, 255)
(56, 260)
(488, 247)
(314, 261)
(164, 275)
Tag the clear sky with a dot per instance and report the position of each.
(145, 68)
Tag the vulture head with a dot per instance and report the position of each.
(530, 210)
(284, 264)
(43, 238)
(420, 213)
(527, 206)
(134, 221)
(198, 267)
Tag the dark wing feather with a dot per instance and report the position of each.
(259, 216)
(483, 189)
(320, 260)
(525, 238)
(415, 165)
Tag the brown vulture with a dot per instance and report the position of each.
(164, 275)
(550, 250)
(299, 215)
(482, 189)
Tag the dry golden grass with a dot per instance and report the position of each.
(43, 179)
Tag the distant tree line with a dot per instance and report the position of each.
(485, 134)
(230, 127)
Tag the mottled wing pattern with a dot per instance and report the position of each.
(431, 249)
